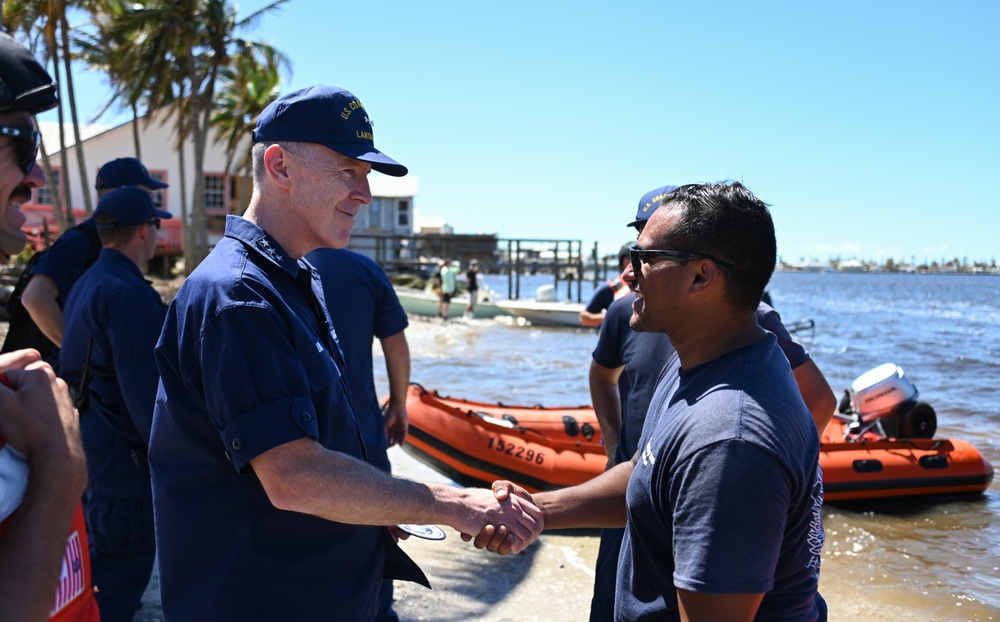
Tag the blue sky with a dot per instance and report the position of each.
(870, 127)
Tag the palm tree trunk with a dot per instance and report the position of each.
(63, 218)
(56, 203)
(88, 206)
(185, 221)
(135, 131)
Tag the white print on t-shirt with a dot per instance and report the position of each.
(648, 458)
(816, 535)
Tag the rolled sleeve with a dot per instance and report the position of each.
(269, 426)
(261, 384)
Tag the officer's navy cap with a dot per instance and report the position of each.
(648, 204)
(125, 172)
(130, 205)
(327, 115)
(25, 86)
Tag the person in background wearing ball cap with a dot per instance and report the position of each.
(36, 305)
(44, 567)
(113, 319)
(264, 499)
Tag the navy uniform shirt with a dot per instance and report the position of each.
(66, 261)
(113, 307)
(247, 363)
(363, 306)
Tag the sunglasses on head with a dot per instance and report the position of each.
(25, 142)
(638, 255)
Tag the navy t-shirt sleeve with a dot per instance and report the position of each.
(728, 528)
(769, 320)
(608, 352)
(65, 262)
(390, 318)
(257, 383)
(601, 300)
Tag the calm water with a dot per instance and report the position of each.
(941, 559)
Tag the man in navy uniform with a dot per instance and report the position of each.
(113, 319)
(265, 505)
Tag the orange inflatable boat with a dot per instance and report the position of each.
(870, 466)
(476, 443)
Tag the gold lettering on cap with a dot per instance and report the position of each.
(656, 200)
(351, 107)
(365, 135)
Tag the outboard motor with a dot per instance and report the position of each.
(886, 397)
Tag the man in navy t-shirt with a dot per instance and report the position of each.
(722, 501)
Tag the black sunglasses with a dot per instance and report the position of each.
(25, 144)
(155, 222)
(637, 255)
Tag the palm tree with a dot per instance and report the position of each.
(185, 43)
(49, 18)
(245, 89)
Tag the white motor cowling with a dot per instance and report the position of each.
(886, 395)
(546, 293)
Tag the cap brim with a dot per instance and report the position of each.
(635, 223)
(158, 185)
(162, 215)
(379, 161)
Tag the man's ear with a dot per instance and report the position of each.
(276, 163)
(705, 275)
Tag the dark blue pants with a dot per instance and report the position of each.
(602, 605)
(118, 506)
(385, 612)
(380, 459)
(121, 581)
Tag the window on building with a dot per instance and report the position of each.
(159, 194)
(215, 194)
(403, 217)
(375, 214)
(43, 196)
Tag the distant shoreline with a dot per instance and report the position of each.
(904, 272)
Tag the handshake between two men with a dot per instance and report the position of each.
(521, 516)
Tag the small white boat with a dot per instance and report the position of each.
(544, 310)
(425, 303)
(544, 313)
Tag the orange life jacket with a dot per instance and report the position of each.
(74, 600)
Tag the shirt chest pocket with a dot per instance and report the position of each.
(319, 367)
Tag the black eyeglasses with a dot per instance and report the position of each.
(25, 143)
(637, 255)
(155, 222)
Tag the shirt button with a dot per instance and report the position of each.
(307, 416)
(237, 444)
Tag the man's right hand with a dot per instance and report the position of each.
(496, 539)
(38, 419)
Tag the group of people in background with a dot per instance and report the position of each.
(444, 282)
(237, 433)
